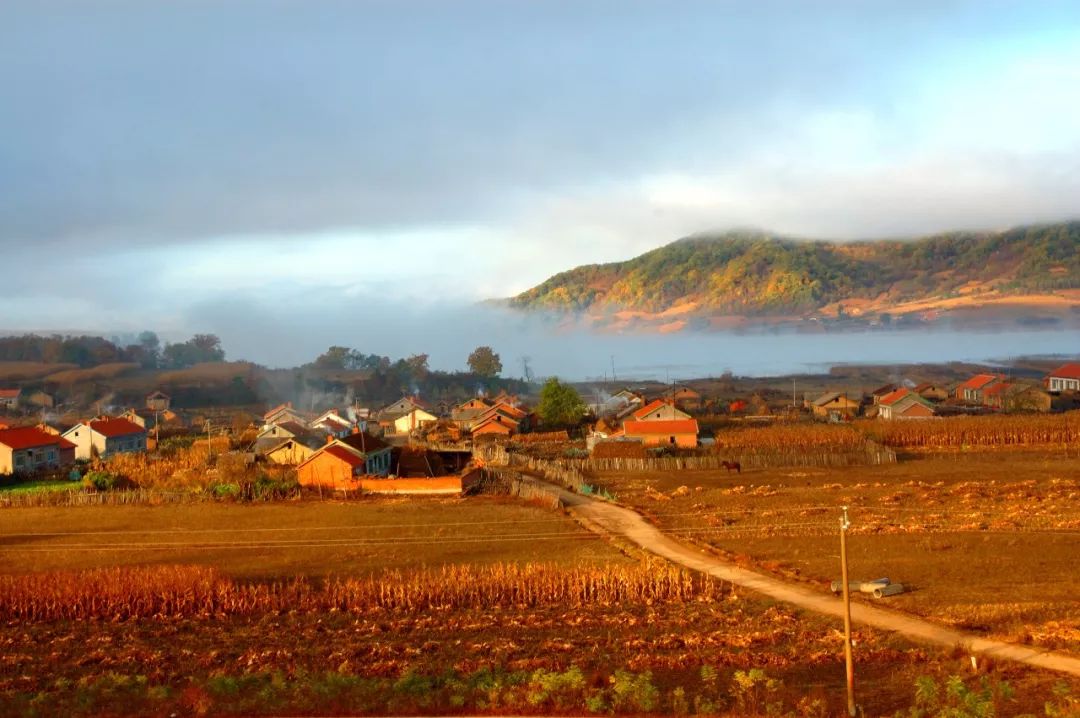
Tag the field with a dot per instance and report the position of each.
(282, 540)
(395, 606)
(987, 542)
(27, 370)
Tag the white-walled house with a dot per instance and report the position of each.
(105, 437)
(1064, 378)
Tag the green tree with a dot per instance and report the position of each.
(560, 403)
(485, 362)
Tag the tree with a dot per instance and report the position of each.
(485, 362)
(200, 348)
(560, 403)
(418, 366)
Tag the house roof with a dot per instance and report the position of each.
(113, 427)
(157, 393)
(340, 452)
(894, 396)
(364, 442)
(278, 408)
(901, 397)
(492, 423)
(293, 427)
(978, 381)
(10, 393)
(675, 426)
(1067, 371)
(925, 386)
(830, 396)
(884, 390)
(28, 437)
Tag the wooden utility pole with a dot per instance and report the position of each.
(849, 662)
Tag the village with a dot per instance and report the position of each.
(411, 446)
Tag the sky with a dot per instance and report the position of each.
(281, 172)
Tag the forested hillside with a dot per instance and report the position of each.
(762, 274)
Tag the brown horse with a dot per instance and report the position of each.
(732, 466)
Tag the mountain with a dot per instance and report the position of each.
(760, 275)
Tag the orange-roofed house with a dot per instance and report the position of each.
(29, 449)
(9, 398)
(333, 466)
(682, 433)
(659, 410)
(1064, 378)
(972, 390)
(105, 437)
(340, 465)
(904, 404)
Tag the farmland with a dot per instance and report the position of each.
(407, 606)
(987, 541)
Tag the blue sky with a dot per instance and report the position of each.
(187, 165)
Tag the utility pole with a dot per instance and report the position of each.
(849, 663)
(209, 443)
(613, 377)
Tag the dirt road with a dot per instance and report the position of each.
(604, 516)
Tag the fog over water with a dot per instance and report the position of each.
(293, 336)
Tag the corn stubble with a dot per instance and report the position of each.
(197, 591)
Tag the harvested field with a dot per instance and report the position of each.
(631, 657)
(26, 370)
(988, 542)
(97, 373)
(314, 539)
(982, 433)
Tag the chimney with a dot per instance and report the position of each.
(329, 438)
(355, 428)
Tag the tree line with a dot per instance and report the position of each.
(87, 351)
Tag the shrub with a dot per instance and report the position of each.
(99, 480)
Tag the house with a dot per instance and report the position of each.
(49, 427)
(29, 449)
(1018, 397)
(659, 410)
(971, 391)
(377, 453)
(466, 413)
(290, 451)
(143, 417)
(331, 422)
(687, 398)
(1065, 378)
(9, 398)
(881, 391)
(158, 401)
(413, 419)
(496, 422)
(835, 406)
(931, 391)
(682, 433)
(282, 413)
(904, 403)
(106, 436)
(283, 430)
(340, 466)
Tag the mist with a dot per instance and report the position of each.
(291, 334)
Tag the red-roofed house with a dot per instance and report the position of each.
(9, 398)
(659, 410)
(29, 449)
(904, 404)
(105, 437)
(1064, 378)
(339, 464)
(972, 390)
(655, 432)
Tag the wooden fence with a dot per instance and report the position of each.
(559, 472)
(871, 455)
(507, 482)
(80, 497)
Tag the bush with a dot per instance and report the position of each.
(100, 480)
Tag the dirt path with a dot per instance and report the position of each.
(607, 517)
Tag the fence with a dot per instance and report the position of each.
(503, 481)
(80, 497)
(558, 472)
(571, 472)
(871, 455)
